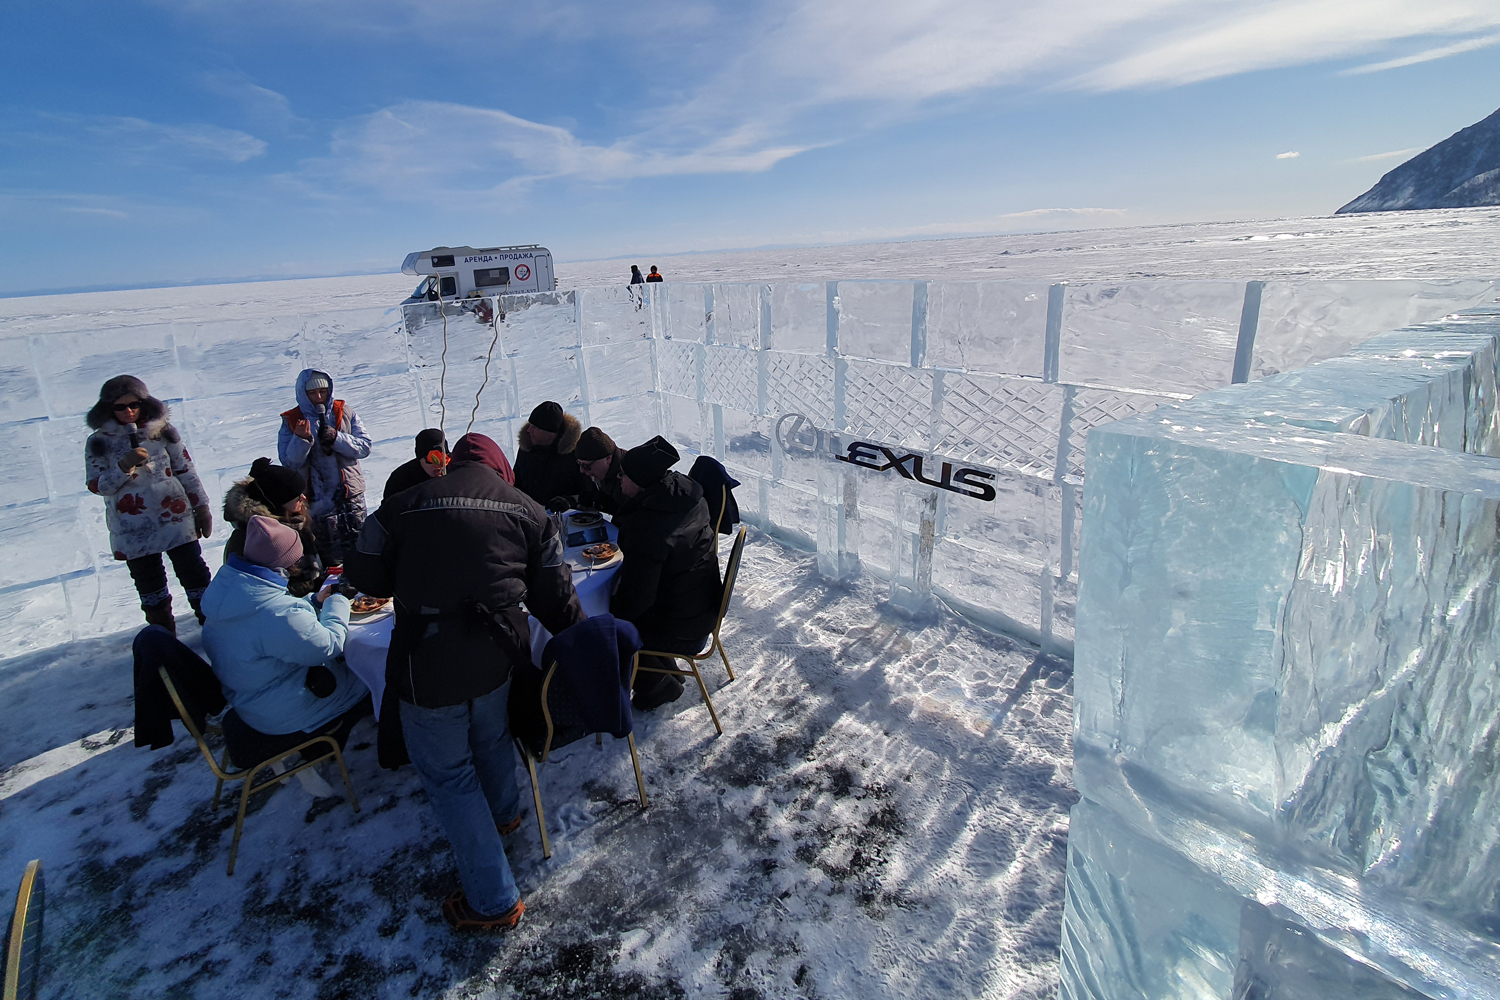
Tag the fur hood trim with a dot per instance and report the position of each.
(567, 438)
(154, 414)
(240, 506)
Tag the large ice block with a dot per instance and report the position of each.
(1287, 697)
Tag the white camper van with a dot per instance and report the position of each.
(462, 272)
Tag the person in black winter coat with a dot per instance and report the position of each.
(598, 459)
(636, 277)
(459, 553)
(545, 466)
(420, 469)
(668, 585)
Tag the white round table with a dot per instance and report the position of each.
(370, 638)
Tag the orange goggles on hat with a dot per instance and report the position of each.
(437, 457)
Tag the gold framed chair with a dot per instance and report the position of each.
(23, 939)
(715, 644)
(223, 774)
(533, 760)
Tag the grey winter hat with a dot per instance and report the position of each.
(318, 381)
(645, 464)
(593, 445)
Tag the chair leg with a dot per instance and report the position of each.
(536, 798)
(635, 759)
(725, 657)
(348, 785)
(706, 699)
(219, 784)
(239, 820)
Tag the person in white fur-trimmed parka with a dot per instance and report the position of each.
(153, 501)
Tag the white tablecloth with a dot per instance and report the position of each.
(371, 638)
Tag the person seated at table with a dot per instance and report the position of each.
(274, 654)
(598, 459)
(275, 492)
(459, 553)
(668, 586)
(545, 464)
(432, 458)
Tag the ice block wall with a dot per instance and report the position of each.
(1003, 377)
(1287, 683)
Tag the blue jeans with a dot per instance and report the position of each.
(467, 761)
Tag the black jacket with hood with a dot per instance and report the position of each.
(459, 554)
(668, 585)
(547, 471)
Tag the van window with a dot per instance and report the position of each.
(449, 286)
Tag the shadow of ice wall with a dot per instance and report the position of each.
(1008, 376)
(1287, 721)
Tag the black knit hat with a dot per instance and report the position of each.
(547, 416)
(646, 464)
(276, 485)
(593, 445)
(430, 439)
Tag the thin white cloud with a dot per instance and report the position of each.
(1426, 55)
(1395, 154)
(1290, 154)
(137, 138)
(424, 147)
(112, 213)
(261, 104)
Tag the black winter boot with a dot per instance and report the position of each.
(161, 614)
(196, 603)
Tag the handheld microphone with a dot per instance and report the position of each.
(135, 437)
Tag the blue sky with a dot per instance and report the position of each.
(186, 140)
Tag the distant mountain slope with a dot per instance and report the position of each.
(1462, 171)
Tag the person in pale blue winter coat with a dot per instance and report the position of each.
(323, 439)
(276, 656)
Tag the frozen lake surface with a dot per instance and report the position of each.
(885, 816)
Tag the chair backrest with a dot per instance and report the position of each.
(187, 720)
(731, 571)
(723, 506)
(23, 940)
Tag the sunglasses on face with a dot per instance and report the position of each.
(127, 407)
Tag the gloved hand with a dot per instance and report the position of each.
(327, 436)
(559, 504)
(132, 459)
(203, 518)
(320, 681)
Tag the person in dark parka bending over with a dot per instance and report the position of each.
(545, 465)
(668, 585)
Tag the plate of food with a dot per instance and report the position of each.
(364, 606)
(599, 552)
(585, 518)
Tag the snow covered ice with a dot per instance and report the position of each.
(887, 813)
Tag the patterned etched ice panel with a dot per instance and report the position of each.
(890, 404)
(615, 370)
(615, 314)
(875, 320)
(72, 366)
(1003, 422)
(358, 342)
(684, 424)
(996, 327)
(683, 312)
(799, 317)
(677, 368)
(1090, 408)
(1306, 321)
(1177, 337)
(799, 383)
(730, 377)
(737, 314)
(540, 323)
(20, 390)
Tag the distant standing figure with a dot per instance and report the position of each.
(636, 278)
(654, 275)
(431, 461)
(153, 501)
(323, 439)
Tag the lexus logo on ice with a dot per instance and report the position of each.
(798, 436)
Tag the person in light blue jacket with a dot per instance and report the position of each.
(323, 440)
(277, 657)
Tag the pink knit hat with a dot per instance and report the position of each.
(268, 542)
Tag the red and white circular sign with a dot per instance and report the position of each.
(522, 272)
